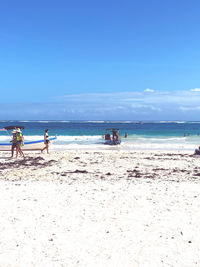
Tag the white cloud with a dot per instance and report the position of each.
(143, 106)
(156, 105)
(136, 105)
(195, 90)
(149, 90)
(190, 108)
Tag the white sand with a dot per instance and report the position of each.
(100, 209)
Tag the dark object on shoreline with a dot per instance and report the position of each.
(197, 151)
(13, 127)
(112, 137)
(188, 134)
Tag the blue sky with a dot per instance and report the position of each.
(123, 60)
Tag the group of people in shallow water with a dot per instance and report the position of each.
(18, 142)
(115, 136)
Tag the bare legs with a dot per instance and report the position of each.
(19, 150)
(46, 147)
(12, 150)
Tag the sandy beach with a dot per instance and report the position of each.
(103, 208)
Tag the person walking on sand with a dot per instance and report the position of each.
(46, 141)
(14, 143)
(19, 143)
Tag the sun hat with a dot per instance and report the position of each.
(14, 131)
(18, 130)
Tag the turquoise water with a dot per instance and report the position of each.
(141, 135)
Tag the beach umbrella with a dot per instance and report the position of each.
(13, 127)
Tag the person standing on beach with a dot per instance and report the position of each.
(46, 141)
(20, 143)
(14, 142)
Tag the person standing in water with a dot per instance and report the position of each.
(46, 141)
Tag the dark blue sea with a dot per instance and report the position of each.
(160, 135)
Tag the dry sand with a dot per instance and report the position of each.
(115, 208)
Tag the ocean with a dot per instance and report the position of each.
(162, 135)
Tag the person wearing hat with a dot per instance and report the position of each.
(20, 143)
(14, 142)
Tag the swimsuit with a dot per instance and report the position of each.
(47, 139)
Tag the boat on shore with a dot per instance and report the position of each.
(112, 137)
(31, 145)
(28, 145)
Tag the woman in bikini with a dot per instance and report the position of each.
(46, 141)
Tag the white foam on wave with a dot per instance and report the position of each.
(124, 147)
(156, 146)
(63, 121)
(78, 137)
(65, 138)
(112, 122)
(170, 122)
(95, 121)
(33, 137)
(5, 138)
(129, 122)
(159, 139)
(92, 147)
(96, 142)
(43, 121)
(26, 138)
(135, 137)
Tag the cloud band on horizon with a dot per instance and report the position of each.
(137, 105)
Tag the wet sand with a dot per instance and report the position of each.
(113, 208)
